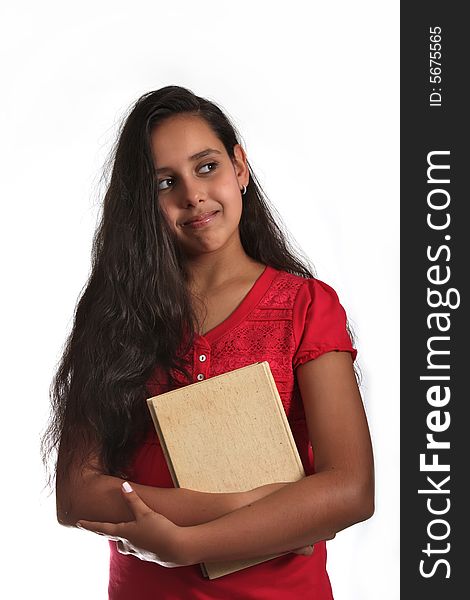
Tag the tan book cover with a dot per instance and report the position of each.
(228, 433)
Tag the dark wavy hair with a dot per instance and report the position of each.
(135, 311)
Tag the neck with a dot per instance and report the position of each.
(210, 270)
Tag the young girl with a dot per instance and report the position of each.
(192, 277)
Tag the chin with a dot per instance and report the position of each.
(204, 247)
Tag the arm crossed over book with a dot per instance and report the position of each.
(228, 433)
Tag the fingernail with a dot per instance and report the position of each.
(126, 486)
(78, 525)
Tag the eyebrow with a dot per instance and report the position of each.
(193, 157)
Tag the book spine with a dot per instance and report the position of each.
(162, 442)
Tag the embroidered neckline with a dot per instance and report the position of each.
(249, 302)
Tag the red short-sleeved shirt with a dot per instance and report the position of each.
(284, 319)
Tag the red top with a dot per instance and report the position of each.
(284, 319)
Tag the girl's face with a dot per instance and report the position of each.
(197, 179)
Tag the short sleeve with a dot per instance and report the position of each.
(319, 323)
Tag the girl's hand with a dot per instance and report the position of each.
(150, 534)
(308, 550)
(125, 547)
(305, 551)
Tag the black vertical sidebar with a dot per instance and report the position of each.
(435, 269)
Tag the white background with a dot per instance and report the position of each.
(313, 88)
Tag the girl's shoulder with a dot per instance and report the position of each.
(318, 320)
(301, 290)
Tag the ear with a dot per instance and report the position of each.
(240, 165)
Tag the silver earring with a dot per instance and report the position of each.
(243, 191)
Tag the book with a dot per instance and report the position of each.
(228, 433)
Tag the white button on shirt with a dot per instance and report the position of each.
(200, 376)
(202, 358)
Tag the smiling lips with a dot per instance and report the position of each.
(201, 219)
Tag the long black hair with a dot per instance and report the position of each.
(135, 309)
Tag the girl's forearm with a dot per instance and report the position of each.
(300, 513)
(98, 498)
(189, 507)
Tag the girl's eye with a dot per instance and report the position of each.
(211, 164)
(163, 181)
(166, 185)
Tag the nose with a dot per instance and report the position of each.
(192, 192)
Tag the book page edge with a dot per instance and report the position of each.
(282, 412)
